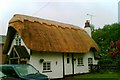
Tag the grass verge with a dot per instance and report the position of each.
(96, 76)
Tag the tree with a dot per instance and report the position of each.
(103, 36)
(108, 39)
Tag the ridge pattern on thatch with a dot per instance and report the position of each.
(22, 18)
(51, 36)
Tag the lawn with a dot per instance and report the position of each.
(96, 76)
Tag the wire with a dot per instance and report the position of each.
(42, 7)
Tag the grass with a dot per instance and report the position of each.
(96, 76)
(99, 75)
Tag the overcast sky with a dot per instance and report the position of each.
(66, 11)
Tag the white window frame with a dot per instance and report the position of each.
(47, 66)
(18, 40)
(68, 58)
(80, 61)
(90, 61)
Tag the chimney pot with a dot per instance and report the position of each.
(87, 24)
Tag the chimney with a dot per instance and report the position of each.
(87, 28)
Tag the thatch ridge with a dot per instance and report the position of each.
(22, 18)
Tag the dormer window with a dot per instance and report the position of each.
(18, 40)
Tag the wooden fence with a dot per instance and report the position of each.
(97, 68)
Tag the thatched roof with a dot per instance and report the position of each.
(46, 35)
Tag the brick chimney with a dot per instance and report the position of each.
(87, 28)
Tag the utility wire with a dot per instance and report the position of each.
(42, 7)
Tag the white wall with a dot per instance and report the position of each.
(57, 69)
(85, 68)
(77, 68)
(91, 55)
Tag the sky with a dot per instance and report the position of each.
(76, 12)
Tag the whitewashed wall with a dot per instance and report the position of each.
(57, 69)
(85, 68)
(91, 55)
(78, 68)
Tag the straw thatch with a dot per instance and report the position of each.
(51, 36)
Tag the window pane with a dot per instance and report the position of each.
(80, 61)
(46, 66)
(16, 41)
(68, 60)
(90, 61)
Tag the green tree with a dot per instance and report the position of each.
(108, 39)
(103, 36)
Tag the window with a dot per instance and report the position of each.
(90, 61)
(18, 40)
(46, 66)
(80, 62)
(68, 59)
(9, 71)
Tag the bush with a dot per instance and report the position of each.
(107, 63)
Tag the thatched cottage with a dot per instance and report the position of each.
(54, 48)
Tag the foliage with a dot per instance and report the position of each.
(114, 51)
(108, 39)
(105, 60)
(103, 36)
